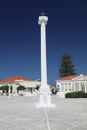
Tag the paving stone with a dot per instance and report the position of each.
(21, 113)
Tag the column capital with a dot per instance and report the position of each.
(42, 19)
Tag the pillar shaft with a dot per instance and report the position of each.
(45, 95)
(43, 55)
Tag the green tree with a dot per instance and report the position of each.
(66, 67)
(5, 88)
(21, 87)
(54, 90)
(37, 87)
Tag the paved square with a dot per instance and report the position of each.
(20, 113)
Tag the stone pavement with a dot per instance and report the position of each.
(20, 113)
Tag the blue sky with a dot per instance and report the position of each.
(20, 36)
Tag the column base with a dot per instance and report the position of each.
(45, 105)
(45, 98)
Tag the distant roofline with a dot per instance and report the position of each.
(70, 77)
(13, 78)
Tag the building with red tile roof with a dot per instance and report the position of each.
(14, 78)
(71, 84)
(68, 77)
(16, 81)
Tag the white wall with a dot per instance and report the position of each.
(27, 84)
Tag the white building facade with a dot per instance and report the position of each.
(16, 81)
(71, 84)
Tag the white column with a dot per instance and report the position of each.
(71, 86)
(79, 86)
(9, 92)
(14, 88)
(64, 87)
(45, 94)
(43, 21)
(68, 87)
(74, 86)
(85, 86)
(43, 55)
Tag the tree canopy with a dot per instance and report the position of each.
(21, 87)
(66, 67)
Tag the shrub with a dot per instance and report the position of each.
(37, 87)
(79, 94)
(54, 90)
(84, 95)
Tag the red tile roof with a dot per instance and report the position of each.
(68, 77)
(12, 79)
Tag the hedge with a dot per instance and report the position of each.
(79, 94)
